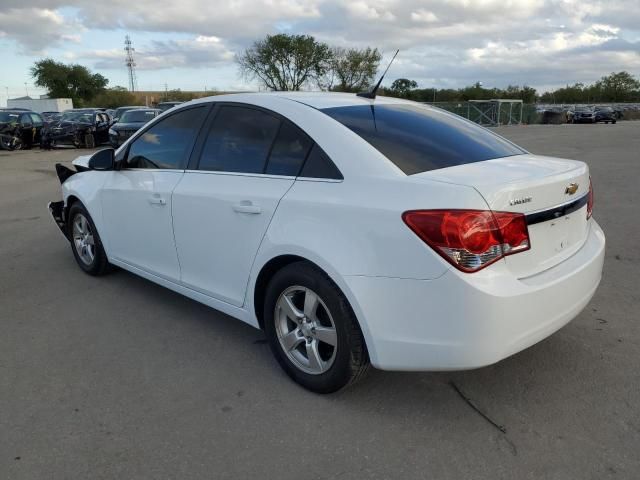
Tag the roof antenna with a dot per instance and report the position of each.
(372, 93)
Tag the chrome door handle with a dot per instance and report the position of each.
(247, 207)
(157, 201)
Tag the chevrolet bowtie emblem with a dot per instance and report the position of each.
(571, 189)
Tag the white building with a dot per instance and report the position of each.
(42, 104)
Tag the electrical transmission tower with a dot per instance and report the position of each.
(131, 64)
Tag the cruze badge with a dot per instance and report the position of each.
(571, 189)
(520, 201)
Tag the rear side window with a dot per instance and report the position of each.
(319, 165)
(239, 140)
(168, 143)
(289, 151)
(418, 139)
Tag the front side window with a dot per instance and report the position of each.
(418, 139)
(168, 143)
(239, 140)
(36, 119)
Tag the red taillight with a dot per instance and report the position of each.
(590, 200)
(470, 239)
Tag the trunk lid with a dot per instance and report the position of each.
(536, 186)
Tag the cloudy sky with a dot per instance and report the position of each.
(190, 44)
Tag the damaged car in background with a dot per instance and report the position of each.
(80, 128)
(19, 129)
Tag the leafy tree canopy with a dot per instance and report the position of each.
(68, 81)
(353, 70)
(285, 62)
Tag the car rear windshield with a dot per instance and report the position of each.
(418, 138)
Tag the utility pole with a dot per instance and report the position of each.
(130, 63)
(26, 89)
(166, 91)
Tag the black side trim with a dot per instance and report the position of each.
(57, 211)
(557, 212)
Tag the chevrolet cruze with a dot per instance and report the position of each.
(351, 230)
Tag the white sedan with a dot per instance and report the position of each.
(352, 230)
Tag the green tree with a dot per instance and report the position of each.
(353, 69)
(68, 81)
(618, 87)
(285, 62)
(113, 98)
(402, 86)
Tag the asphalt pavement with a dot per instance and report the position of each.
(118, 378)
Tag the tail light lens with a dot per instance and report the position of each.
(470, 239)
(590, 200)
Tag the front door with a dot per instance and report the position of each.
(137, 199)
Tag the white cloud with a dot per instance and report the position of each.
(34, 28)
(201, 51)
(424, 16)
(442, 42)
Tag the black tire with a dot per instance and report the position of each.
(99, 265)
(89, 141)
(351, 359)
(613, 122)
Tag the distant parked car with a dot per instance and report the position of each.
(581, 115)
(120, 110)
(20, 129)
(129, 123)
(605, 114)
(78, 127)
(164, 106)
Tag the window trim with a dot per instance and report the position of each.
(194, 162)
(121, 163)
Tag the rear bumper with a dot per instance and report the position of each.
(461, 321)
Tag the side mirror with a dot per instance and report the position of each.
(102, 159)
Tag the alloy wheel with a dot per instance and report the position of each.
(83, 239)
(306, 330)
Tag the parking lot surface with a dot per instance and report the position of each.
(118, 378)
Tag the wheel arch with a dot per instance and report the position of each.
(276, 263)
(268, 270)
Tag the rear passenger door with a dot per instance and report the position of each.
(223, 205)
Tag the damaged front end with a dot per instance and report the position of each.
(69, 133)
(58, 209)
(10, 137)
